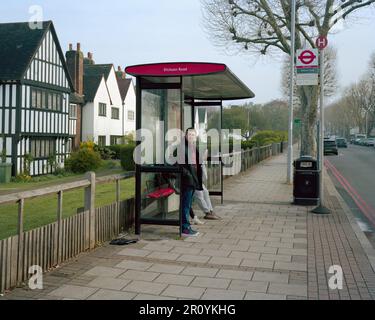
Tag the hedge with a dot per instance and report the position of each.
(126, 156)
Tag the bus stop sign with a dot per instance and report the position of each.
(321, 42)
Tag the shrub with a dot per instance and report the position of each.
(116, 150)
(28, 159)
(105, 152)
(263, 138)
(89, 144)
(83, 160)
(21, 178)
(126, 157)
(248, 144)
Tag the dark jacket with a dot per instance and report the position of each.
(191, 175)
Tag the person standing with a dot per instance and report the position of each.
(202, 198)
(191, 178)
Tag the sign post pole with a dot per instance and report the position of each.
(291, 98)
(321, 209)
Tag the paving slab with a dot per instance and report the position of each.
(264, 248)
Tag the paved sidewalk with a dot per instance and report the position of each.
(264, 248)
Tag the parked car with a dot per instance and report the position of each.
(369, 142)
(359, 141)
(330, 147)
(341, 143)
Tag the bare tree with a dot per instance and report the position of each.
(370, 92)
(264, 27)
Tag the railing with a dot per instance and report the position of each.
(49, 245)
(52, 244)
(238, 162)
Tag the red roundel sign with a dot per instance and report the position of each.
(307, 57)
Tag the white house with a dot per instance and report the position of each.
(102, 114)
(127, 91)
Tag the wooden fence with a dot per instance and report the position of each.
(52, 244)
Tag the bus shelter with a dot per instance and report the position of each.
(177, 96)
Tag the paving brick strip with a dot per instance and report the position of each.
(264, 248)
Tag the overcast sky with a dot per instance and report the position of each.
(127, 32)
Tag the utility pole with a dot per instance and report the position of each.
(292, 62)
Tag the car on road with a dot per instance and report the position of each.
(355, 138)
(330, 147)
(360, 141)
(369, 142)
(341, 143)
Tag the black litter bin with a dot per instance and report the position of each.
(306, 181)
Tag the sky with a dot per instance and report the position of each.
(128, 32)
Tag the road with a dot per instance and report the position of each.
(353, 172)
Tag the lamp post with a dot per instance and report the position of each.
(292, 62)
(321, 209)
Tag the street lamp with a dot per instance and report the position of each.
(292, 58)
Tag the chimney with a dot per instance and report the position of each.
(74, 60)
(120, 74)
(89, 59)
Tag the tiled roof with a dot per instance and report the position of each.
(18, 44)
(97, 70)
(91, 86)
(123, 85)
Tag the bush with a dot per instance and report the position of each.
(248, 144)
(263, 138)
(116, 150)
(126, 157)
(105, 152)
(23, 178)
(83, 160)
(89, 144)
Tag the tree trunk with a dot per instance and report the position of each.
(309, 96)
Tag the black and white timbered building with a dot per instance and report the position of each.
(34, 97)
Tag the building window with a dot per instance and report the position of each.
(102, 141)
(131, 115)
(116, 140)
(73, 111)
(43, 99)
(102, 110)
(41, 148)
(115, 113)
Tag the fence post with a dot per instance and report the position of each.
(90, 207)
(118, 191)
(118, 204)
(21, 203)
(59, 226)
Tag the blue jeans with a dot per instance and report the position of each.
(187, 200)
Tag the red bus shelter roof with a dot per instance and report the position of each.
(203, 81)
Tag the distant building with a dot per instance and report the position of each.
(107, 111)
(128, 97)
(35, 87)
